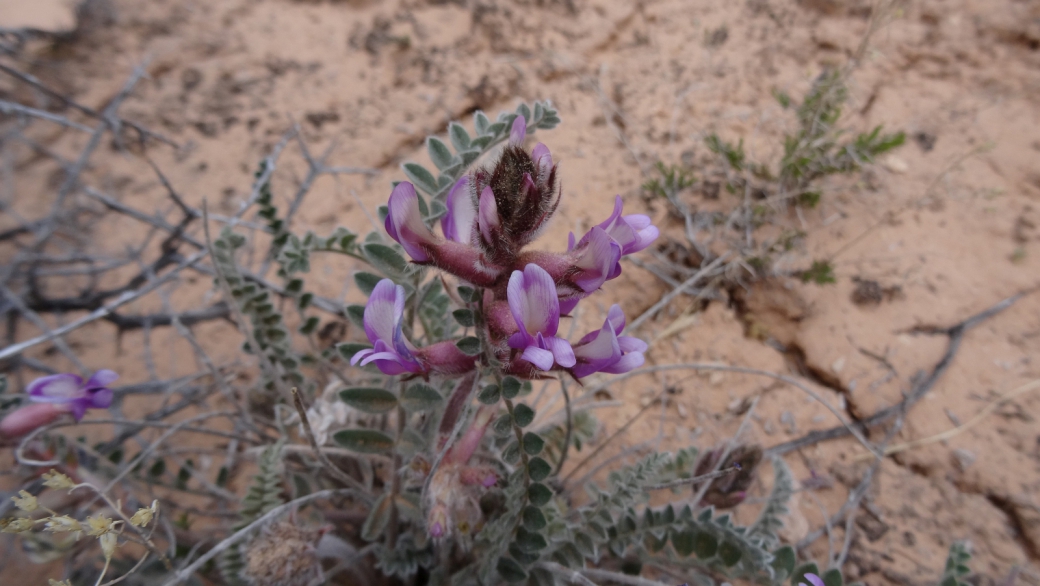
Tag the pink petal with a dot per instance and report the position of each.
(458, 222)
(488, 219)
(616, 317)
(600, 255)
(627, 362)
(614, 215)
(540, 307)
(542, 160)
(383, 311)
(101, 399)
(404, 223)
(101, 378)
(541, 359)
(518, 131)
(561, 350)
(56, 388)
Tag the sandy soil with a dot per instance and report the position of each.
(636, 82)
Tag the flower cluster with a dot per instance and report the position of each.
(492, 215)
(57, 395)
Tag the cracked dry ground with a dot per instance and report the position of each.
(638, 82)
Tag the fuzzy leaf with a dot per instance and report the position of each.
(377, 519)
(523, 415)
(464, 317)
(369, 400)
(480, 122)
(365, 441)
(490, 394)
(420, 397)
(538, 494)
(784, 560)
(833, 577)
(470, 345)
(729, 553)
(459, 136)
(538, 468)
(510, 570)
(534, 519)
(420, 177)
(440, 154)
(533, 444)
(385, 258)
(510, 387)
(530, 541)
(366, 282)
(356, 315)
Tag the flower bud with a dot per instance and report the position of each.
(283, 554)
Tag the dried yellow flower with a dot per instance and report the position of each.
(108, 544)
(144, 516)
(62, 524)
(53, 582)
(99, 525)
(55, 479)
(25, 501)
(17, 525)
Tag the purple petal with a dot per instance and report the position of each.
(614, 215)
(101, 378)
(627, 362)
(596, 351)
(360, 355)
(56, 388)
(630, 344)
(404, 223)
(79, 407)
(383, 311)
(813, 579)
(519, 130)
(600, 255)
(488, 219)
(542, 160)
(616, 317)
(533, 301)
(568, 305)
(541, 359)
(100, 398)
(458, 222)
(561, 350)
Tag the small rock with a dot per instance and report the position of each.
(838, 365)
(963, 458)
(895, 164)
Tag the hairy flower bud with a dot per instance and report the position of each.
(283, 554)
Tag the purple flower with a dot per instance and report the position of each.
(404, 223)
(542, 161)
(518, 131)
(392, 352)
(71, 391)
(487, 216)
(633, 233)
(605, 351)
(532, 300)
(813, 579)
(458, 222)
